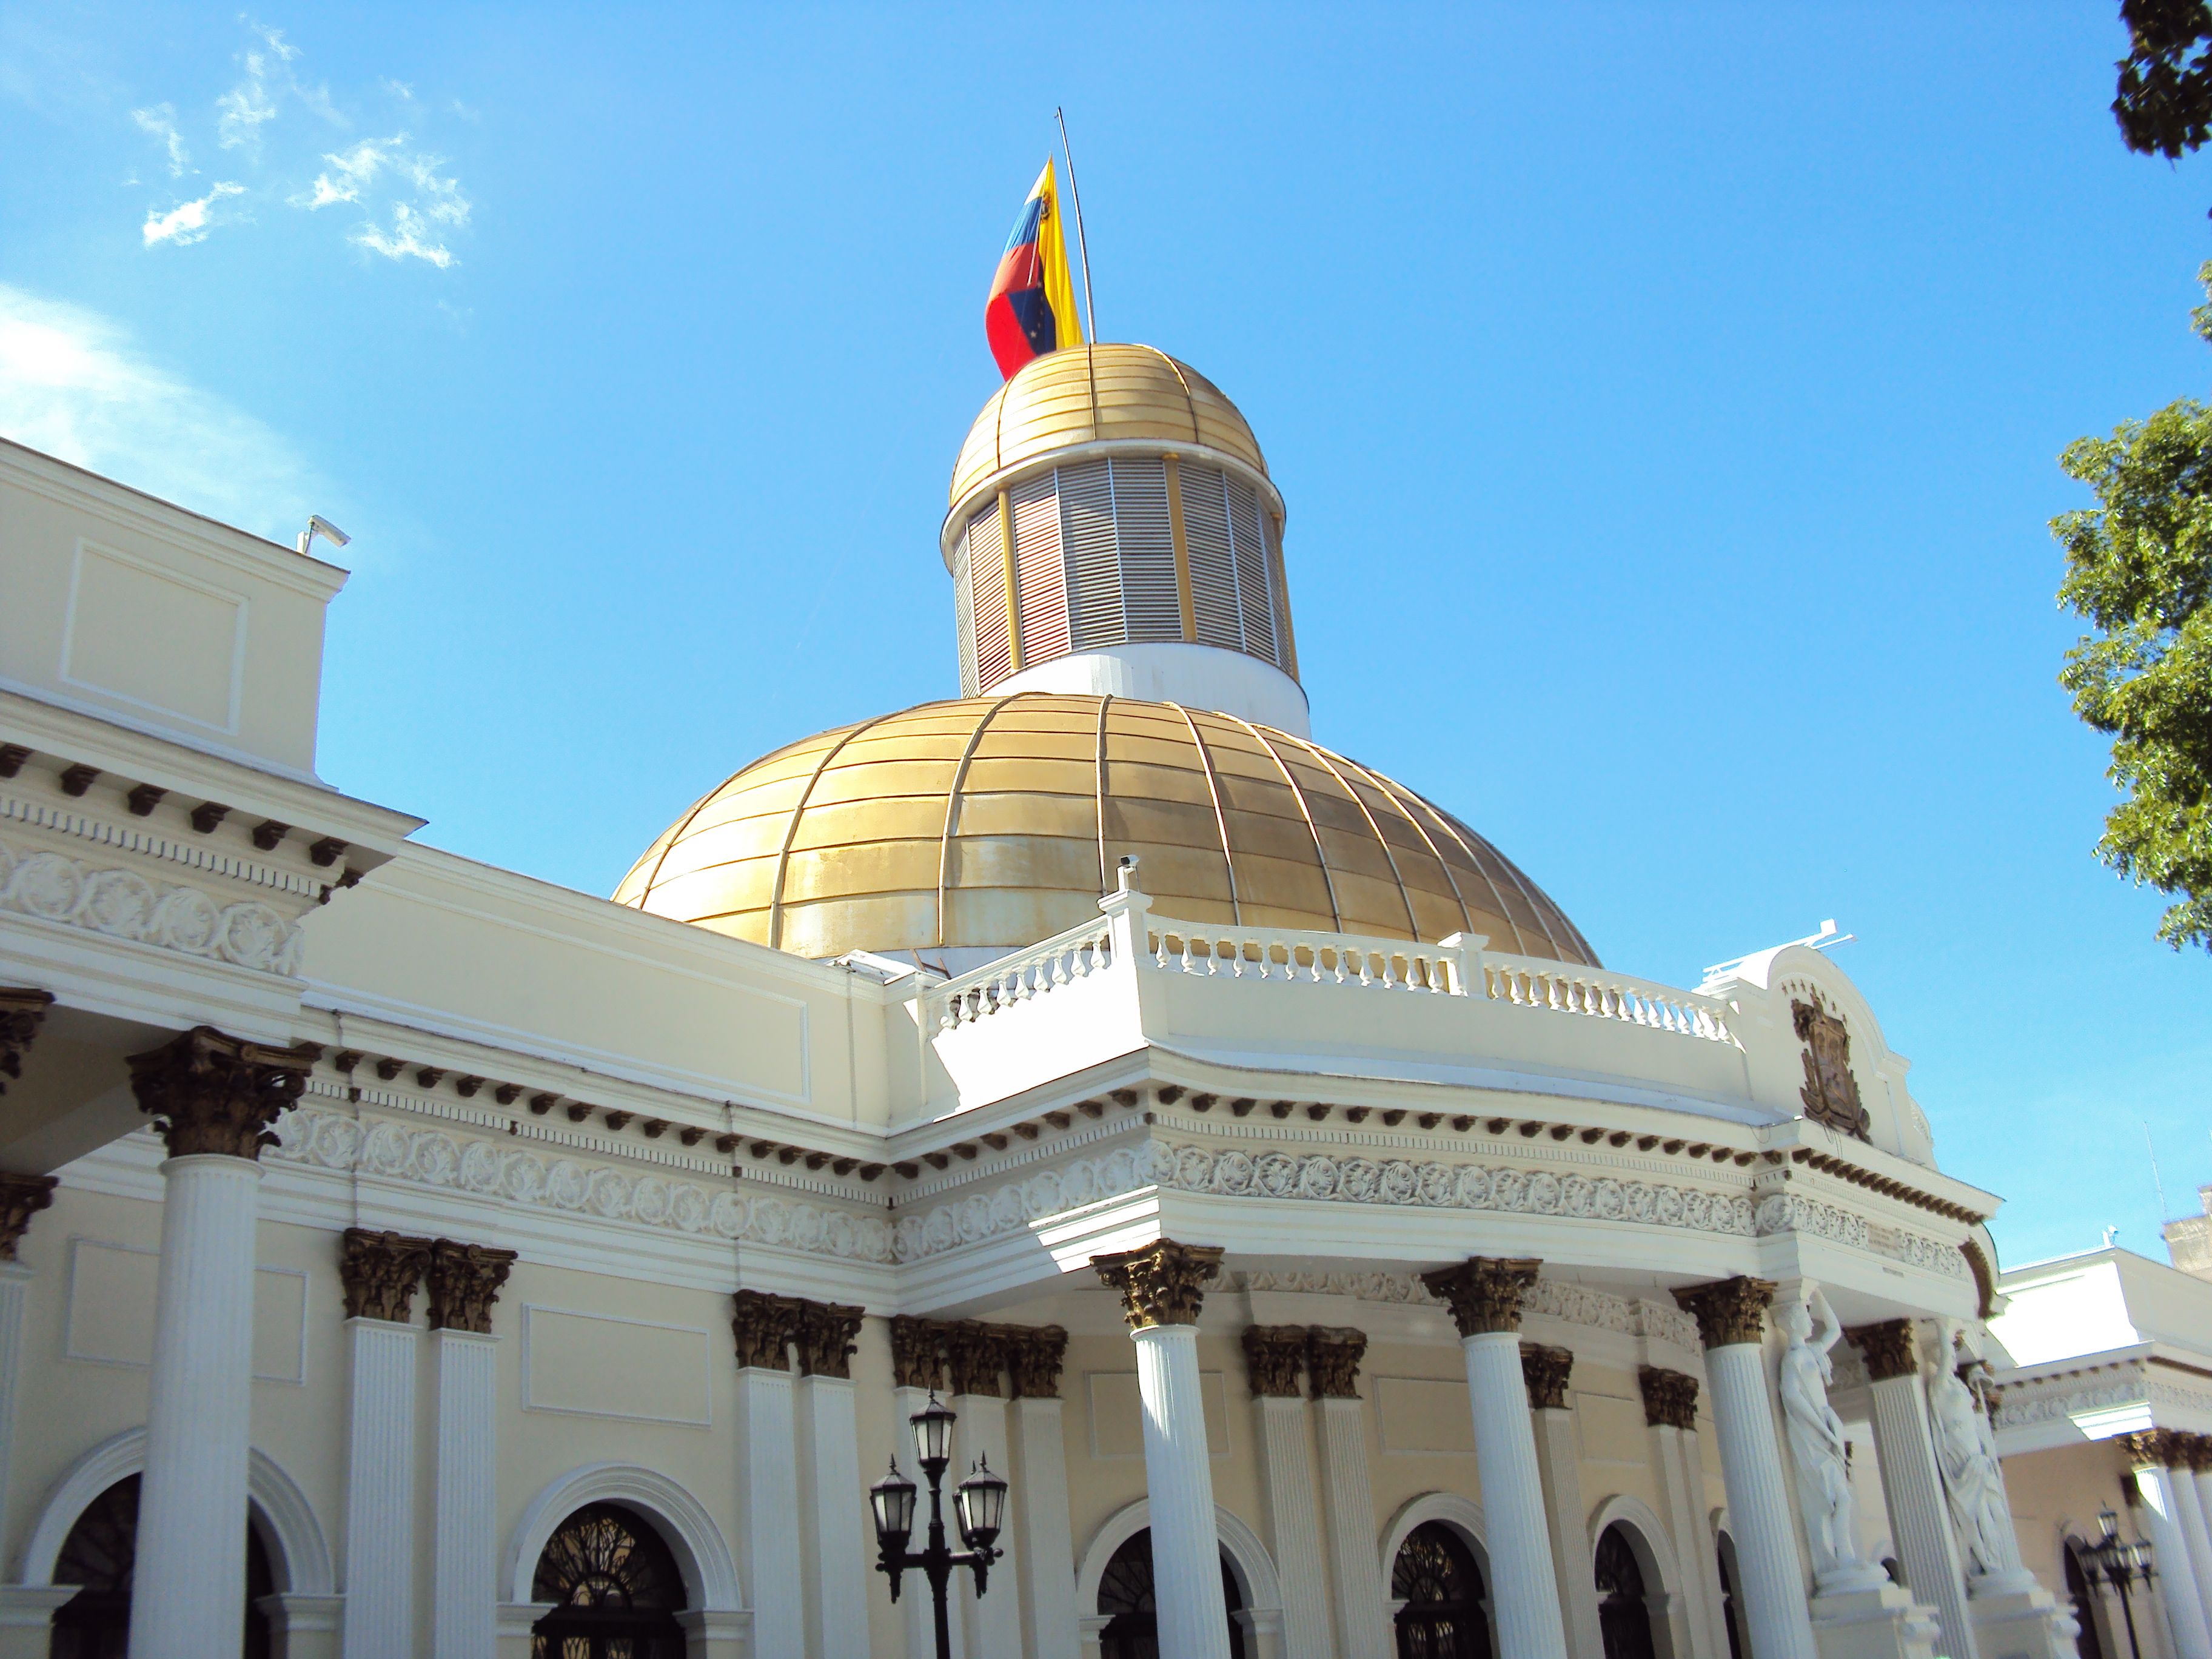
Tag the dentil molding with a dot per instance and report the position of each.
(124, 904)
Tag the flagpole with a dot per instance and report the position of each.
(1082, 242)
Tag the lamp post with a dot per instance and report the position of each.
(2118, 1563)
(979, 1506)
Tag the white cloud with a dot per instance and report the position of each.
(405, 239)
(190, 222)
(354, 169)
(160, 122)
(72, 384)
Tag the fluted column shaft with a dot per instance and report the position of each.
(1524, 1582)
(1041, 1518)
(2189, 1514)
(1194, 1618)
(2161, 1517)
(1759, 1519)
(830, 1469)
(993, 1623)
(1293, 1522)
(380, 1543)
(1919, 1513)
(768, 1508)
(1363, 1621)
(463, 1584)
(188, 1598)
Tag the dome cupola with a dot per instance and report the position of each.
(1113, 530)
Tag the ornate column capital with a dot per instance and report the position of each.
(1273, 1356)
(1729, 1311)
(208, 1092)
(764, 1326)
(2199, 1452)
(1889, 1348)
(1670, 1398)
(974, 1352)
(914, 1362)
(1035, 1354)
(1484, 1292)
(1162, 1284)
(2145, 1446)
(22, 1010)
(1544, 1372)
(22, 1197)
(380, 1272)
(464, 1281)
(1333, 1355)
(826, 1330)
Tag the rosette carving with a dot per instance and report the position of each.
(464, 1283)
(1545, 1370)
(1484, 1292)
(1728, 1312)
(380, 1273)
(1670, 1398)
(208, 1092)
(1034, 1356)
(1333, 1356)
(1273, 1355)
(1162, 1284)
(22, 1013)
(1889, 1348)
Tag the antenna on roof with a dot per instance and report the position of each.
(2154, 1178)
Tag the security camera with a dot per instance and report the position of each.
(319, 525)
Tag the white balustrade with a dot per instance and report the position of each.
(1060, 960)
(1387, 964)
(1533, 982)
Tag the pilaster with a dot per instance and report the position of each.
(837, 1572)
(1273, 1355)
(1363, 1621)
(1670, 1417)
(1912, 1481)
(769, 1556)
(977, 1353)
(1047, 1552)
(1545, 1371)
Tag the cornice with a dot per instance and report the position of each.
(212, 860)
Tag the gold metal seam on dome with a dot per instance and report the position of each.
(1221, 822)
(1413, 921)
(1176, 368)
(952, 807)
(1504, 911)
(1101, 798)
(791, 828)
(1381, 783)
(1321, 853)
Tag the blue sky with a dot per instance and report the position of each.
(1667, 399)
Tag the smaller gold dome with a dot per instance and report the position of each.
(1101, 393)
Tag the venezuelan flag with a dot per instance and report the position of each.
(1031, 309)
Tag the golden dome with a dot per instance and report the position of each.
(993, 822)
(1100, 394)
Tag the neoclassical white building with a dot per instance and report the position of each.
(411, 1257)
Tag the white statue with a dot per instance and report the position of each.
(1972, 1482)
(1818, 1448)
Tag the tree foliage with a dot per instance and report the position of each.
(2139, 569)
(2165, 103)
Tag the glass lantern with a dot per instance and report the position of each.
(932, 1434)
(892, 1499)
(980, 1503)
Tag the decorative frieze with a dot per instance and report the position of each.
(1273, 1355)
(1889, 1348)
(1162, 1284)
(22, 1010)
(1730, 1311)
(1035, 1354)
(974, 1354)
(764, 1327)
(1545, 1370)
(1333, 1356)
(121, 903)
(464, 1281)
(380, 1272)
(22, 1197)
(1484, 1294)
(826, 1333)
(207, 1092)
(1670, 1398)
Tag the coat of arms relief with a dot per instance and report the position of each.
(1830, 1093)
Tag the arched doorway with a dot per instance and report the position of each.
(1731, 1608)
(1624, 1611)
(615, 1586)
(2088, 1642)
(1124, 1599)
(1436, 1576)
(101, 1553)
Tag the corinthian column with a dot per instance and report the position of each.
(1273, 1355)
(1912, 1481)
(828, 1475)
(767, 1495)
(1730, 1317)
(2163, 1517)
(464, 1283)
(976, 1353)
(380, 1273)
(1162, 1289)
(1332, 1368)
(213, 1098)
(1034, 1358)
(1485, 1298)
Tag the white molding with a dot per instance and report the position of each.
(78, 1241)
(531, 1404)
(210, 858)
(1642, 1520)
(1248, 1558)
(1463, 1515)
(241, 622)
(301, 1558)
(702, 1554)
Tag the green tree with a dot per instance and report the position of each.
(2139, 569)
(2165, 102)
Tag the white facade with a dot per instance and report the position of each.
(1493, 1171)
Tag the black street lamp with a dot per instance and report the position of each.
(2118, 1562)
(979, 1505)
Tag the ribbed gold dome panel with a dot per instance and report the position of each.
(1097, 394)
(994, 822)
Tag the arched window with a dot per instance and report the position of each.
(1125, 1598)
(1436, 1576)
(1731, 1609)
(1624, 1616)
(101, 1553)
(616, 1586)
(2087, 1642)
